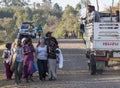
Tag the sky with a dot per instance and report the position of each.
(103, 3)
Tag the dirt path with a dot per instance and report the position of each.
(75, 72)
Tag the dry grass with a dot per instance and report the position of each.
(2, 46)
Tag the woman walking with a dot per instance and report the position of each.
(7, 58)
(52, 60)
(41, 55)
(18, 64)
(32, 51)
(27, 61)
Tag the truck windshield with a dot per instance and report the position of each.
(25, 26)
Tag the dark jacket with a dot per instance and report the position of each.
(47, 41)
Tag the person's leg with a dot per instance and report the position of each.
(44, 68)
(50, 68)
(25, 72)
(20, 67)
(30, 69)
(16, 72)
(40, 66)
(6, 70)
(47, 68)
(53, 68)
(93, 64)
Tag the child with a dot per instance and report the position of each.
(7, 58)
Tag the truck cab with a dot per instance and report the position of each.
(27, 29)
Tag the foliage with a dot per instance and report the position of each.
(113, 9)
(68, 22)
(52, 18)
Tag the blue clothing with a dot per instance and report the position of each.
(18, 52)
(39, 28)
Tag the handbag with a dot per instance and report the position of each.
(35, 67)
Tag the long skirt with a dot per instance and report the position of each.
(8, 72)
(28, 68)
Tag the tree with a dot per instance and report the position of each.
(68, 22)
(85, 2)
(20, 3)
(78, 7)
(5, 2)
(57, 10)
(38, 5)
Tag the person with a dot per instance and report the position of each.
(117, 16)
(18, 64)
(73, 34)
(52, 60)
(96, 15)
(27, 61)
(69, 35)
(7, 60)
(31, 56)
(39, 30)
(50, 37)
(82, 30)
(13, 55)
(41, 55)
(66, 35)
(31, 28)
(92, 16)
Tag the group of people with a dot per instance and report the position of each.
(20, 58)
(70, 35)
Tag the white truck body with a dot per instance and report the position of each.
(106, 36)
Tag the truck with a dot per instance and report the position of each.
(27, 29)
(103, 42)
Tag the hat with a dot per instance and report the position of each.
(48, 33)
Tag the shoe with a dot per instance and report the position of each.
(50, 79)
(31, 80)
(54, 79)
(27, 81)
(93, 73)
(44, 78)
(41, 79)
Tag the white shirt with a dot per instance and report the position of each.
(41, 52)
(7, 60)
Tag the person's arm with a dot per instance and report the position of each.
(26, 50)
(47, 51)
(56, 42)
(36, 53)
